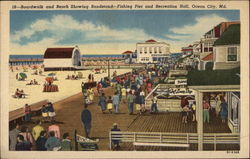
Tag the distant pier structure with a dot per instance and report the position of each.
(59, 59)
(20, 61)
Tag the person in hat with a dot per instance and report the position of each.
(86, 118)
(115, 142)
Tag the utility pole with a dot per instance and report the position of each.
(108, 70)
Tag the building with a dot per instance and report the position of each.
(204, 62)
(62, 59)
(187, 50)
(129, 57)
(227, 49)
(152, 51)
(196, 49)
(207, 42)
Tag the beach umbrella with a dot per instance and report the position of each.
(49, 79)
(35, 67)
(51, 74)
(23, 75)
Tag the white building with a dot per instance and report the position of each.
(62, 59)
(152, 51)
(129, 57)
(227, 49)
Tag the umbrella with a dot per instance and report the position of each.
(49, 79)
(51, 74)
(23, 75)
(35, 67)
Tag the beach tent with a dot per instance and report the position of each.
(22, 75)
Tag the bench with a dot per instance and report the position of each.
(160, 144)
(154, 139)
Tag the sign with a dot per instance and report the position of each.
(175, 91)
(180, 82)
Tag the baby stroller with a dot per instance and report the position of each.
(85, 144)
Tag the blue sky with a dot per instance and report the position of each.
(110, 31)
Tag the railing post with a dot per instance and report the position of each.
(110, 140)
(161, 137)
(214, 142)
(134, 141)
(187, 139)
(75, 138)
(134, 137)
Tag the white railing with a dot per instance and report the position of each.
(174, 138)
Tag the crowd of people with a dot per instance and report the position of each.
(38, 138)
(214, 105)
(130, 88)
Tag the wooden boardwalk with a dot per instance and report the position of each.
(68, 118)
(171, 122)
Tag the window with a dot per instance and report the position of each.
(232, 54)
(160, 50)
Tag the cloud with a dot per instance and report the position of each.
(193, 32)
(65, 30)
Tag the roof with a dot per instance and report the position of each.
(58, 53)
(230, 36)
(209, 57)
(150, 41)
(214, 77)
(127, 52)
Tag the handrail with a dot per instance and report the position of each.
(151, 92)
(178, 138)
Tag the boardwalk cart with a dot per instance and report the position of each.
(85, 144)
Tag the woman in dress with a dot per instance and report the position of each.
(224, 110)
(90, 93)
(110, 105)
(102, 102)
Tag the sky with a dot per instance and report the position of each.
(110, 31)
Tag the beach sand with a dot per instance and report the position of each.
(35, 92)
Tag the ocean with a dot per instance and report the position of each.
(41, 56)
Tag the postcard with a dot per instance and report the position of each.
(124, 79)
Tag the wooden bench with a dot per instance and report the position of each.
(154, 139)
(19, 113)
(160, 144)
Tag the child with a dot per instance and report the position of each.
(45, 113)
(110, 104)
(185, 114)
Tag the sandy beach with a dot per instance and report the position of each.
(35, 92)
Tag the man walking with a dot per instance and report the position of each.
(116, 102)
(131, 100)
(86, 120)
